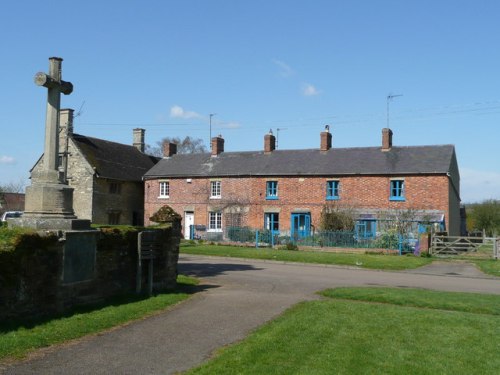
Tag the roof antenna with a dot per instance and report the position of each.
(80, 111)
(278, 134)
(389, 99)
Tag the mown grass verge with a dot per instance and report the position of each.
(350, 334)
(17, 339)
(372, 261)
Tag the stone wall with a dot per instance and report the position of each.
(34, 281)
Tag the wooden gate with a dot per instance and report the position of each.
(455, 245)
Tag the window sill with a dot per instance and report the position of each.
(214, 230)
(272, 198)
(216, 197)
(332, 198)
(397, 199)
(164, 197)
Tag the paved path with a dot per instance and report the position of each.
(237, 296)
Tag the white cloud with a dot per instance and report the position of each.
(7, 160)
(230, 125)
(309, 90)
(285, 69)
(477, 186)
(179, 112)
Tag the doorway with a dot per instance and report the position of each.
(301, 225)
(188, 225)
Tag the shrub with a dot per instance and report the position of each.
(336, 219)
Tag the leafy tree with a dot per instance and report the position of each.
(484, 215)
(188, 145)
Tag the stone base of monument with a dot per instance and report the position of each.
(47, 223)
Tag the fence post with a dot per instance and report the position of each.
(496, 243)
(257, 239)
(191, 232)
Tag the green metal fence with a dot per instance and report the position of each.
(339, 239)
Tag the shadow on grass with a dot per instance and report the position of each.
(28, 323)
(206, 270)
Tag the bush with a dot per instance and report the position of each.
(388, 240)
(335, 219)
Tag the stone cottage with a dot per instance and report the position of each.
(106, 176)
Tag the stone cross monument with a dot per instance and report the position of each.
(49, 200)
(55, 86)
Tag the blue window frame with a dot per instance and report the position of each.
(332, 190)
(272, 222)
(366, 229)
(397, 190)
(272, 190)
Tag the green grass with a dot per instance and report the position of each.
(465, 302)
(489, 266)
(17, 339)
(339, 336)
(9, 236)
(373, 261)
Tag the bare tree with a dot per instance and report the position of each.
(13, 187)
(188, 145)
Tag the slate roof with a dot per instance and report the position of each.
(310, 162)
(114, 160)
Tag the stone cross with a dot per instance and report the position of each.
(55, 86)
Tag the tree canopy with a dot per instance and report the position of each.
(484, 216)
(188, 145)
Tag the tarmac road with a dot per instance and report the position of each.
(236, 296)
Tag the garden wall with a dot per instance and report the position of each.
(48, 273)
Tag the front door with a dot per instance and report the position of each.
(301, 225)
(188, 224)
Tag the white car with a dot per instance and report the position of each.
(10, 215)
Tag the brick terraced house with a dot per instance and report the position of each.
(106, 176)
(286, 190)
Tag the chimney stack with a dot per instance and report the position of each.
(326, 139)
(139, 139)
(386, 139)
(169, 149)
(66, 121)
(269, 142)
(217, 145)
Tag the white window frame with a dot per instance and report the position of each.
(164, 187)
(214, 221)
(215, 189)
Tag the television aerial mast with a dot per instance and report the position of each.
(389, 99)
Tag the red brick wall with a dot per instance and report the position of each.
(295, 193)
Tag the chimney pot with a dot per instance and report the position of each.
(169, 149)
(139, 139)
(386, 139)
(326, 139)
(269, 142)
(217, 145)
(66, 120)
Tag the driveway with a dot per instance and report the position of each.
(236, 296)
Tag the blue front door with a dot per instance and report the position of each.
(301, 225)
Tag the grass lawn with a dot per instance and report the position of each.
(18, 339)
(373, 331)
(489, 266)
(373, 261)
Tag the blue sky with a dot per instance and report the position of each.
(259, 65)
